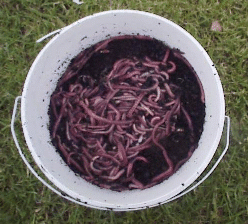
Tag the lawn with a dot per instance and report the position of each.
(222, 198)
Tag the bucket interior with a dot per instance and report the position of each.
(50, 65)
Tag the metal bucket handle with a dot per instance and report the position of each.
(60, 193)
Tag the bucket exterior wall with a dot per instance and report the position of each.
(52, 62)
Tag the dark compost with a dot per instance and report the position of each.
(127, 112)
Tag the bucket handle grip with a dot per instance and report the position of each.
(60, 193)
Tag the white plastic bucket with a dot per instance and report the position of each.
(48, 68)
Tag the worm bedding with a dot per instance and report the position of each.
(127, 112)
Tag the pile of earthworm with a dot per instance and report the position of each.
(102, 128)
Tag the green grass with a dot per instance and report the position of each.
(222, 198)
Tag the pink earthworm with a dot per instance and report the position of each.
(158, 76)
(142, 146)
(56, 125)
(77, 165)
(189, 121)
(86, 166)
(169, 171)
(78, 86)
(54, 108)
(112, 178)
(166, 56)
(168, 89)
(183, 160)
(145, 108)
(138, 100)
(154, 120)
(114, 171)
(67, 154)
(136, 184)
(136, 130)
(165, 74)
(91, 165)
(173, 67)
(105, 155)
(102, 132)
(101, 148)
(131, 154)
(106, 165)
(90, 113)
(122, 153)
(68, 76)
(61, 146)
(152, 105)
(130, 74)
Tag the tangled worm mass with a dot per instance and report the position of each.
(120, 127)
